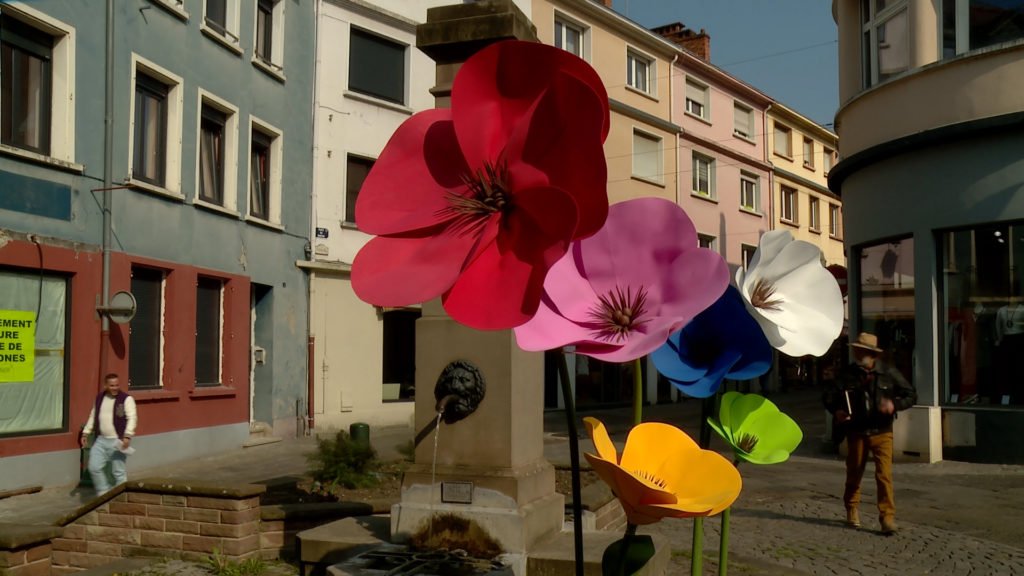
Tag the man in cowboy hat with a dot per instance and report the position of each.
(864, 399)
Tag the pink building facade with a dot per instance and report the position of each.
(724, 177)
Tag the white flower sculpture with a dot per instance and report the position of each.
(794, 299)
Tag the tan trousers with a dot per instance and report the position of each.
(880, 446)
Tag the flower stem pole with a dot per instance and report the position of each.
(697, 549)
(723, 546)
(574, 456)
(638, 392)
(630, 532)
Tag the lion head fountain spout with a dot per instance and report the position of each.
(459, 391)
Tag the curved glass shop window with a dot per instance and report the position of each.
(983, 314)
(887, 300)
(973, 24)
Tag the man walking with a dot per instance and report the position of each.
(113, 416)
(864, 400)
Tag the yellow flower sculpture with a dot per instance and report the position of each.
(663, 473)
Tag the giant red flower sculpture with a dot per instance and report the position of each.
(475, 203)
(619, 294)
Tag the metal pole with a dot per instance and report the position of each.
(108, 177)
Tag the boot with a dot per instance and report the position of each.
(888, 525)
(852, 518)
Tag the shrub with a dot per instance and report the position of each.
(343, 462)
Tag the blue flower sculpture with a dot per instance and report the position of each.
(723, 341)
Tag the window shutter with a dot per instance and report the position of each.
(742, 121)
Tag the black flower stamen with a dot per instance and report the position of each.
(762, 296)
(488, 193)
(651, 477)
(747, 443)
(618, 313)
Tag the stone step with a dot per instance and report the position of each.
(554, 556)
(122, 566)
(340, 540)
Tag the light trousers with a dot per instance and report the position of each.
(103, 454)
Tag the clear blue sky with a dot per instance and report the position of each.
(784, 48)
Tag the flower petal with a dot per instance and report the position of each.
(709, 482)
(602, 442)
(638, 343)
(399, 271)
(742, 410)
(725, 412)
(650, 444)
(709, 384)
(501, 288)
(408, 186)
(673, 362)
(632, 493)
(495, 88)
(721, 430)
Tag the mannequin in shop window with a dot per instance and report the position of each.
(1009, 348)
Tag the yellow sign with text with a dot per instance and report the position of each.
(17, 345)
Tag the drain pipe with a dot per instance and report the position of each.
(108, 177)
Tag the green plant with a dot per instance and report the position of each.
(344, 462)
(223, 566)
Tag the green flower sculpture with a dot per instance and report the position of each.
(755, 428)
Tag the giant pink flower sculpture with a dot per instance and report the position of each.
(619, 294)
(475, 203)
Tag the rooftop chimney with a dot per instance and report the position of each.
(697, 43)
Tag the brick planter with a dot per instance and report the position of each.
(25, 550)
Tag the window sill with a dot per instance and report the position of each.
(158, 190)
(698, 118)
(367, 99)
(752, 212)
(264, 223)
(789, 223)
(835, 237)
(781, 155)
(746, 139)
(814, 230)
(175, 8)
(809, 166)
(704, 197)
(37, 158)
(648, 181)
(350, 226)
(214, 208)
(154, 395)
(213, 392)
(270, 69)
(640, 92)
(226, 42)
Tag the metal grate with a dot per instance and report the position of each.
(400, 561)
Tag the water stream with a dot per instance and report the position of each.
(433, 476)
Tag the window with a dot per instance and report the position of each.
(36, 401)
(26, 78)
(749, 192)
(269, 43)
(815, 213)
(783, 141)
(569, 37)
(145, 331)
(706, 241)
(886, 39)
(37, 83)
(356, 172)
(639, 72)
(887, 299)
(209, 310)
(973, 24)
(808, 153)
(211, 155)
(747, 254)
(399, 354)
(376, 66)
(155, 154)
(265, 172)
(788, 202)
(647, 156)
(697, 100)
(217, 163)
(828, 157)
(833, 220)
(703, 175)
(743, 121)
(149, 156)
(220, 22)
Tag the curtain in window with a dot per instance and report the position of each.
(258, 184)
(211, 164)
(36, 405)
(25, 55)
(646, 157)
(217, 13)
(701, 175)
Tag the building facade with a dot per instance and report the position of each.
(932, 181)
(209, 215)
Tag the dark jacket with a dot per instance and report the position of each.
(859, 392)
(120, 418)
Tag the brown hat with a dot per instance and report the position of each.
(866, 341)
